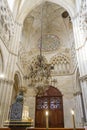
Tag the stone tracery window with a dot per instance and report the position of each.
(61, 64)
(51, 42)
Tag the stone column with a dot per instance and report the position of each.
(78, 109)
(5, 94)
(81, 51)
(6, 85)
(84, 92)
(2, 90)
(13, 55)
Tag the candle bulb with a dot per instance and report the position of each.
(47, 120)
(73, 117)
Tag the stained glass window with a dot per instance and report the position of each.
(49, 103)
(45, 104)
(39, 103)
(55, 103)
(42, 103)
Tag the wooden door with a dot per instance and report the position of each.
(51, 101)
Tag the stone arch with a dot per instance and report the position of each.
(69, 6)
(52, 90)
(52, 101)
(34, 59)
(61, 64)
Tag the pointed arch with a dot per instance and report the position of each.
(28, 6)
(52, 91)
(52, 101)
(61, 64)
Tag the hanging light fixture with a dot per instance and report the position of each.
(40, 72)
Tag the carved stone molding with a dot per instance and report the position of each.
(6, 81)
(83, 78)
(61, 64)
(7, 23)
(77, 93)
(83, 16)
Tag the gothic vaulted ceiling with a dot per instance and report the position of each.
(21, 6)
(47, 21)
(52, 22)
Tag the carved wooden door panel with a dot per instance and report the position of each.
(40, 121)
(54, 104)
(56, 112)
(42, 105)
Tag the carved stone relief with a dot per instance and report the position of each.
(83, 15)
(6, 23)
(61, 64)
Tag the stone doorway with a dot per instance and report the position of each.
(51, 100)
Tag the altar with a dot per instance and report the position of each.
(18, 124)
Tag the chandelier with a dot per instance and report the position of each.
(40, 73)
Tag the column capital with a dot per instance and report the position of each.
(77, 93)
(84, 77)
(19, 23)
(5, 80)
